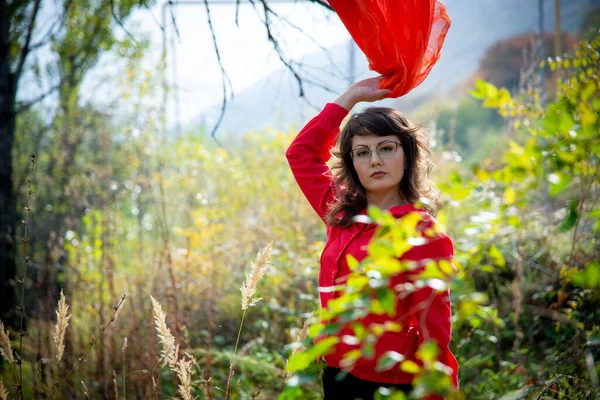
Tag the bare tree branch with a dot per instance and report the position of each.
(116, 18)
(237, 12)
(26, 47)
(58, 23)
(297, 28)
(224, 77)
(321, 3)
(78, 63)
(173, 19)
(276, 47)
(29, 104)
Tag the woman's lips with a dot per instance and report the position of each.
(377, 174)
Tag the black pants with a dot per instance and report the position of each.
(352, 388)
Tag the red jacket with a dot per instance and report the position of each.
(424, 314)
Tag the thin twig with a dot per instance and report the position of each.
(116, 18)
(276, 47)
(26, 47)
(123, 369)
(231, 362)
(237, 12)
(173, 21)
(24, 279)
(322, 3)
(224, 77)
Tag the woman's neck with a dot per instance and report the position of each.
(385, 200)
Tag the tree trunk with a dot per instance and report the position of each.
(8, 212)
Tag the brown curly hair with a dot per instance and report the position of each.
(351, 197)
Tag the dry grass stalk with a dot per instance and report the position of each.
(123, 369)
(184, 372)
(300, 338)
(23, 280)
(3, 392)
(258, 269)
(62, 322)
(170, 353)
(5, 348)
(117, 311)
(85, 390)
(170, 350)
(248, 289)
(115, 385)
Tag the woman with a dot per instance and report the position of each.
(382, 161)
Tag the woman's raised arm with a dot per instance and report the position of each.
(310, 151)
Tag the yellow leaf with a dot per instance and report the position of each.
(446, 267)
(352, 262)
(510, 196)
(410, 367)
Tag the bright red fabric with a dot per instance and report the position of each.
(426, 315)
(402, 39)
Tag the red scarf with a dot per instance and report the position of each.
(402, 39)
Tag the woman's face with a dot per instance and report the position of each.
(378, 161)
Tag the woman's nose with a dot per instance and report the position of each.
(375, 158)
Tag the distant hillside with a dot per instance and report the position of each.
(476, 25)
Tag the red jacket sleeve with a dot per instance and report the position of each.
(431, 308)
(309, 153)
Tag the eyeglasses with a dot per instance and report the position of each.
(385, 149)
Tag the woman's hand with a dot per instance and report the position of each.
(365, 90)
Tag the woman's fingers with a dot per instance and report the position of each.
(379, 94)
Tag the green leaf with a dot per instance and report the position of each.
(302, 360)
(590, 277)
(385, 302)
(298, 361)
(558, 183)
(428, 352)
(559, 120)
(588, 91)
(480, 89)
(455, 178)
(388, 360)
(595, 213)
(461, 193)
(496, 256)
(571, 219)
(375, 213)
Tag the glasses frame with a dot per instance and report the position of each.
(376, 150)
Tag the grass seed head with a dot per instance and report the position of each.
(184, 372)
(170, 349)
(62, 321)
(3, 392)
(257, 271)
(5, 348)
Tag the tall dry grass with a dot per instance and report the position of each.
(5, 346)
(3, 392)
(248, 289)
(62, 322)
(182, 366)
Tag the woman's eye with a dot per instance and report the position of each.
(386, 149)
(362, 153)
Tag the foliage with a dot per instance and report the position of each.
(503, 63)
(133, 210)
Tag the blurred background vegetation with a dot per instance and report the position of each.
(120, 206)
